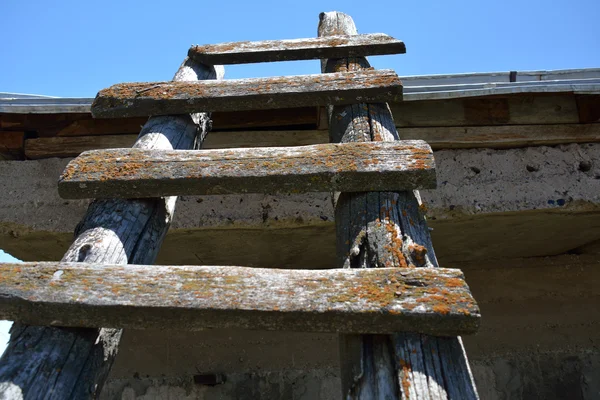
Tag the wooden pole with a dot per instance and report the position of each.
(66, 363)
(383, 229)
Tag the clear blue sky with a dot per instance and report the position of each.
(75, 48)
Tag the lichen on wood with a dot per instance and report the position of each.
(349, 167)
(68, 363)
(164, 98)
(387, 229)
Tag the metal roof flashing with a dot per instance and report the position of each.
(421, 87)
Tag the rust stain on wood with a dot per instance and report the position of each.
(378, 300)
(159, 98)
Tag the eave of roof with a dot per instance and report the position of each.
(423, 87)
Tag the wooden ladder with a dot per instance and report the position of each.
(386, 279)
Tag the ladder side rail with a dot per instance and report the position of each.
(73, 363)
(385, 229)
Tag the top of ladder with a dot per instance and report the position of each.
(167, 98)
(341, 46)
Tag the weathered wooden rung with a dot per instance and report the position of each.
(166, 98)
(297, 49)
(348, 167)
(378, 300)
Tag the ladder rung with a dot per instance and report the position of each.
(378, 300)
(166, 98)
(342, 46)
(345, 167)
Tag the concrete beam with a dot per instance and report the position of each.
(527, 202)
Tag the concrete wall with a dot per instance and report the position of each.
(506, 217)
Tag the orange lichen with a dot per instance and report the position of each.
(418, 253)
(406, 370)
(454, 282)
(441, 309)
(395, 246)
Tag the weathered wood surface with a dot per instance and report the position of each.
(47, 125)
(72, 146)
(588, 106)
(500, 110)
(297, 49)
(11, 145)
(163, 98)
(384, 229)
(430, 300)
(90, 126)
(495, 137)
(67, 363)
(498, 137)
(584, 82)
(350, 167)
(70, 124)
(290, 118)
(537, 110)
(271, 138)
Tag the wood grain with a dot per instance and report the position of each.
(297, 49)
(384, 300)
(61, 363)
(270, 138)
(499, 137)
(521, 109)
(386, 229)
(466, 137)
(160, 98)
(48, 125)
(11, 145)
(70, 124)
(72, 146)
(352, 167)
(282, 118)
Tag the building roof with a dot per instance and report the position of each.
(495, 110)
(419, 87)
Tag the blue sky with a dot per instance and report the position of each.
(75, 48)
